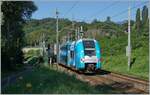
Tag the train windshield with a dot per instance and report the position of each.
(89, 52)
(89, 44)
(89, 48)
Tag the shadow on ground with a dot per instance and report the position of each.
(99, 72)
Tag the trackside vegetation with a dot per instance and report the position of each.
(115, 59)
(114, 50)
(44, 80)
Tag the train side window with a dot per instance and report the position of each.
(72, 54)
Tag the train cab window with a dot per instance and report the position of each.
(89, 48)
(88, 44)
(89, 52)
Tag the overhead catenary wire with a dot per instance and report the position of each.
(122, 12)
(102, 10)
(116, 15)
(70, 8)
(95, 14)
(67, 13)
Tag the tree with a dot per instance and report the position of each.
(15, 14)
(34, 38)
(94, 21)
(144, 15)
(145, 21)
(108, 19)
(138, 21)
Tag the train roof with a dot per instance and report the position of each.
(71, 43)
(66, 43)
(85, 40)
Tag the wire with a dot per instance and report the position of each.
(102, 10)
(122, 12)
(67, 13)
(116, 15)
(71, 8)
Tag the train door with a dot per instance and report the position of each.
(72, 57)
(68, 58)
(72, 54)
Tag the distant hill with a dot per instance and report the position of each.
(34, 29)
(122, 22)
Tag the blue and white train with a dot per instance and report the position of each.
(83, 54)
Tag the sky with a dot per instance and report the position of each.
(88, 10)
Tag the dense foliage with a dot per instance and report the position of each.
(14, 15)
(36, 28)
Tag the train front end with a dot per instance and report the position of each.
(89, 55)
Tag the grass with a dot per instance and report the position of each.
(115, 59)
(139, 67)
(49, 81)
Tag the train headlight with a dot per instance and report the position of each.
(97, 60)
(82, 60)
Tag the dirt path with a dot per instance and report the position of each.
(12, 78)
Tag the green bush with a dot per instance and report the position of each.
(31, 53)
(114, 54)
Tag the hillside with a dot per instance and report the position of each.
(34, 29)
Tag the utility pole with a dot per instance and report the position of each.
(43, 44)
(78, 33)
(81, 32)
(57, 35)
(68, 36)
(73, 30)
(140, 14)
(129, 40)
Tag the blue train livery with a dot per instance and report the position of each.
(83, 54)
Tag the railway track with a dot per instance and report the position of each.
(117, 81)
(140, 84)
